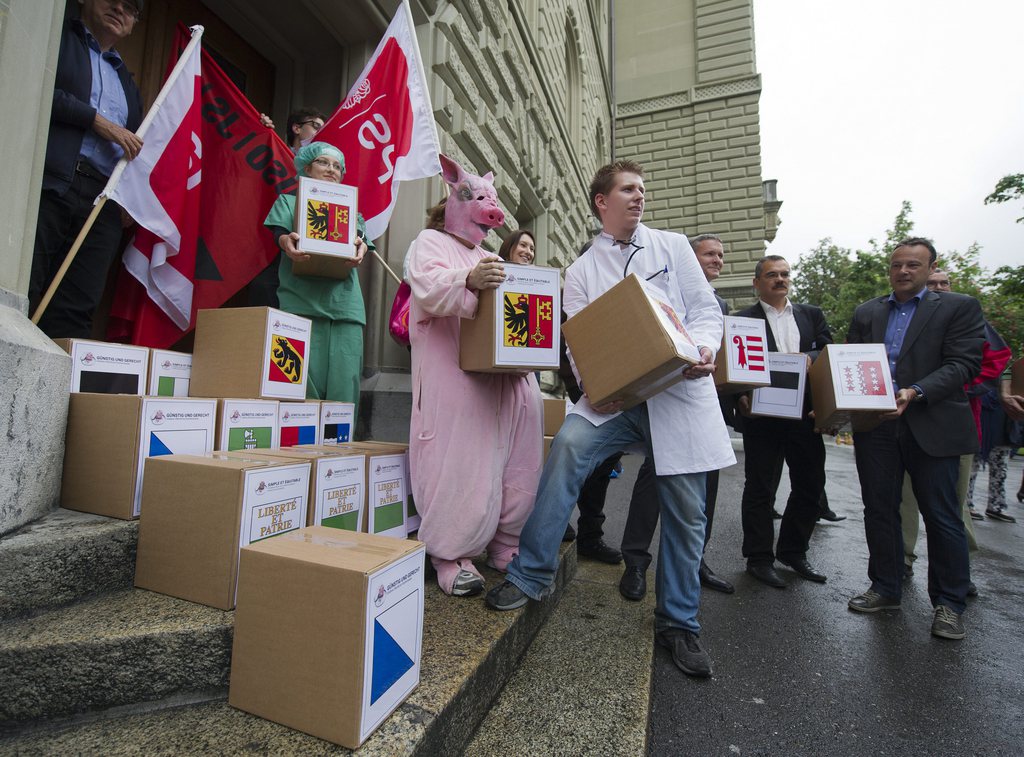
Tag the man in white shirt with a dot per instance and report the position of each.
(681, 427)
(767, 442)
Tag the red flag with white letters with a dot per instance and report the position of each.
(385, 127)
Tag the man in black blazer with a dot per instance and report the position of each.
(767, 442)
(96, 110)
(934, 344)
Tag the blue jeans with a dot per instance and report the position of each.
(883, 455)
(580, 447)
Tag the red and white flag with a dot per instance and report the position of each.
(385, 127)
(160, 189)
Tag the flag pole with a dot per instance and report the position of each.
(387, 267)
(115, 177)
(68, 259)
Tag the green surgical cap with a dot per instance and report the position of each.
(314, 150)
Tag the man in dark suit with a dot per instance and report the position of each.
(96, 110)
(934, 345)
(643, 505)
(767, 442)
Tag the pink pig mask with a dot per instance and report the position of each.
(472, 208)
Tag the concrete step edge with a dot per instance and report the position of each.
(62, 558)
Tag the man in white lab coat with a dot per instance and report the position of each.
(681, 427)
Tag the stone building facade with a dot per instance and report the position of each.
(687, 92)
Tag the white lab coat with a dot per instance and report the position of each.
(687, 430)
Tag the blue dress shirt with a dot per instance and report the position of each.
(900, 316)
(108, 98)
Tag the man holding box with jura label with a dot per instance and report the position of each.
(681, 427)
(934, 346)
(767, 442)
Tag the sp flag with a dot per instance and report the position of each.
(385, 127)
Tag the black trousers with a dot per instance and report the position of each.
(61, 217)
(589, 526)
(767, 443)
(643, 516)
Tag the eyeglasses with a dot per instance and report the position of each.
(317, 124)
(328, 164)
(125, 6)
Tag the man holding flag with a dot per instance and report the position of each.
(96, 109)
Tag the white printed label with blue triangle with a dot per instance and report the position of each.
(172, 426)
(394, 636)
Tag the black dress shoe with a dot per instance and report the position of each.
(570, 533)
(599, 551)
(804, 569)
(766, 574)
(831, 516)
(633, 584)
(710, 580)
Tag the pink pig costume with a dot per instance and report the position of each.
(475, 438)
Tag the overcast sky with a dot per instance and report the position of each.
(865, 104)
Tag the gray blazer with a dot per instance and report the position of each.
(941, 352)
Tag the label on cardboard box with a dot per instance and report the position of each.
(247, 424)
(274, 501)
(394, 636)
(340, 492)
(860, 376)
(173, 426)
(387, 496)
(285, 355)
(785, 397)
(169, 373)
(299, 423)
(745, 345)
(106, 368)
(413, 519)
(325, 217)
(336, 422)
(670, 321)
(528, 332)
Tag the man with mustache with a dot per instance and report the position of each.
(767, 442)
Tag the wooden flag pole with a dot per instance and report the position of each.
(68, 260)
(387, 268)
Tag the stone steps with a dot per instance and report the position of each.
(133, 646)
(63, 557)
(117, 649)
(583, 685)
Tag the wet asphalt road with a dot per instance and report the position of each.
(797, 673)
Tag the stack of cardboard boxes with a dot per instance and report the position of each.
(217, 452)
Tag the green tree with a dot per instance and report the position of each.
(1008, 188)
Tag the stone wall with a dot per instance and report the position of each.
(700, 144)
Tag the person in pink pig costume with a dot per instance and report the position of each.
(475, 438)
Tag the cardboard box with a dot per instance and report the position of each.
(1017, 378)
(389, 496)
(337, 422)
(851, 383)
(105, 368)
(198, 511)
(325, 219)
(337, 483)
(299, 423)
(785, 397)
(328, 631)
(253, 353)
(629, 344)
(109, 437)
(547, 446)
(169, 373)
(554, 415)
(247, 424)
(516, 325)
(740, 363)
